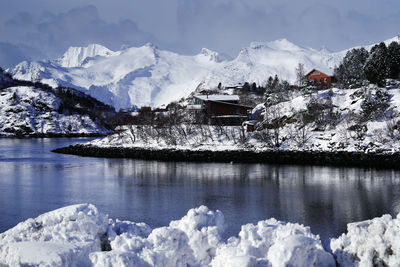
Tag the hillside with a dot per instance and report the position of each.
(149, 76)
(335, 121)
(34, 109)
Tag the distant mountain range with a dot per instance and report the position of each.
(148, 76)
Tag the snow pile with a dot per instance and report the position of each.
(190, 241)
(373, 242)
(273, 243)
(80, 235)
(204, 229)
(58, 238)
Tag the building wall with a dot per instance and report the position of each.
(320, 79)
(220, 109)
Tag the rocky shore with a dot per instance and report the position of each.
(50, 135)
(338, 158)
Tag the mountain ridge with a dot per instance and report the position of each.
(149, 76)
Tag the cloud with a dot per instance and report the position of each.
(186, 26)
(227, 25)
(51, 34)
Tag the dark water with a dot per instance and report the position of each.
(34, 180)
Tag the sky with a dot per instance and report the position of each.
(44, 29)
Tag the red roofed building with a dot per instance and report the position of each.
(319, 78)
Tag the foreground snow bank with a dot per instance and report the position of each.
(80, 235)
(373, 242)
(61, 237)
(273, 243)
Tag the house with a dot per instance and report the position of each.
(220, 109)
(319, 78)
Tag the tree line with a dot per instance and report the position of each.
(380, 63)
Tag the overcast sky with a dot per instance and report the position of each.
(37, 29)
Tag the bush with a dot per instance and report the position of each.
(374, 105)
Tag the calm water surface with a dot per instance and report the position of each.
(33, 180)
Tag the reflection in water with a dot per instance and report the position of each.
(33, 181)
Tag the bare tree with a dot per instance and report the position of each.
(392, 127)
(131, 133)
(300, 134)
(300, 74)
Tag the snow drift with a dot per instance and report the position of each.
(80, 235)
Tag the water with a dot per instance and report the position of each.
(34, 180)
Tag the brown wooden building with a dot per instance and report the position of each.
(220, 109)
(319, 78)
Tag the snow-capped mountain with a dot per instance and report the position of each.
(149, 76)
(77, 56)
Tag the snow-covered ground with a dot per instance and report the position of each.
(346, 134)
(80, 235)
(28, 110)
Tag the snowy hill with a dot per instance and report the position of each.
(149, 76)
(35, 109)
(30, 111)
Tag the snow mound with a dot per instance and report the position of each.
(273, 243)
(61, 237)
(80, 235)
(369, 243)
(190, 241)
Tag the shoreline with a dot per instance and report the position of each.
(319, 158)
(52, 135)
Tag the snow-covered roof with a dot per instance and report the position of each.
(218, 97)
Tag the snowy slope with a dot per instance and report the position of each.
(149, 76)
(77, 56)
(31, 111)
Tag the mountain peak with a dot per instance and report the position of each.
(76, 56)
(280, 44)
(283, 44)
(211, 55)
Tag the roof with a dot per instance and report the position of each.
(316, 70)
(218, 97)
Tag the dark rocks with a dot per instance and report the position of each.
(340, 158)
